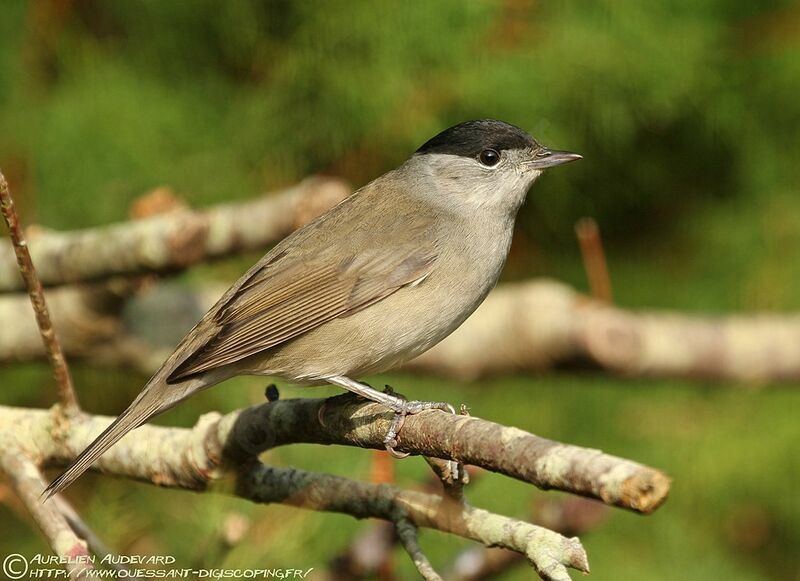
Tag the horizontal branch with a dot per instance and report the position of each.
(467, 439)
(171, 241)
(86, 318)
(539, 324)
(221, 447)
(530, 326)
(471, 440)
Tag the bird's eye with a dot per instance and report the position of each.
(489, 157)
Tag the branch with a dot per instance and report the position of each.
(407, 533)
(83, 531)
(529, 326)
(88, 319)
(369, 553)
(36, 294)
(549, 552)
(175, 240)
(471, 440)
(539, 324)
(570, 517)
(224, 446)
(29, 484)
(466, 439)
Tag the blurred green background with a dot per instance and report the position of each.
(687, 114)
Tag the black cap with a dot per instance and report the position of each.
(471, 137)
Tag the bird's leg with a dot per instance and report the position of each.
(400, 406)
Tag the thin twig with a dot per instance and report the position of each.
(66, 392)
(594, 259)
(572, 516)
(407, 533)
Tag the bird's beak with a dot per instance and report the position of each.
(544, 158)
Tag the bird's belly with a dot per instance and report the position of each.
(416, 320)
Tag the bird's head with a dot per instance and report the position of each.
(487, 163)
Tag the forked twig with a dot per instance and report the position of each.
(66, 392)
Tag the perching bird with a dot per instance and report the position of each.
(378, 279)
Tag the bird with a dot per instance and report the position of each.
(373, 282)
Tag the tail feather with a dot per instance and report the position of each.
(155, 398)
(133, 417)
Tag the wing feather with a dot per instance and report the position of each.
(285, 300)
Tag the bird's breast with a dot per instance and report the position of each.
(416, 317)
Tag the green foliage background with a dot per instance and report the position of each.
(687, 114)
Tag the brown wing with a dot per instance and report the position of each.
(291, 297)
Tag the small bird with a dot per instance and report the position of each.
(375, 281)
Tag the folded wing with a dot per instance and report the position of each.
(293, 295)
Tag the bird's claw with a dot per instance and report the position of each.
(406, 408)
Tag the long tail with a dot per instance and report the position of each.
(156, 397)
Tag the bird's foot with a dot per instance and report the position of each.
(398, 404)
(402, 408)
